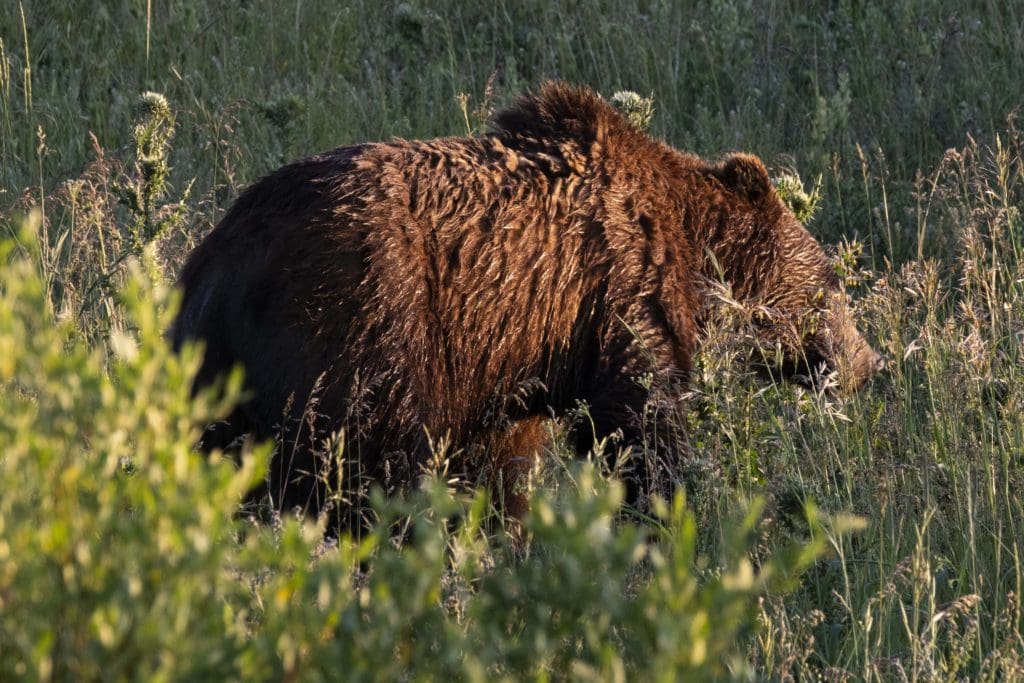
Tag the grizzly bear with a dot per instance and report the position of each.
(466, 289)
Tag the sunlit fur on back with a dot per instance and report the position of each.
(469, 287)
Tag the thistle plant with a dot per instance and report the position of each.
(143, 192)
(802, 203)
(638, 110)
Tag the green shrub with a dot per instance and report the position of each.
(115, 542)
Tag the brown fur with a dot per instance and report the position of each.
(470, 286)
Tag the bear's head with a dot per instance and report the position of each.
(800, 302)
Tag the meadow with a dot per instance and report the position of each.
(815, 536)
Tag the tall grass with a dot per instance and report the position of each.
(840, 89)
(904, 110)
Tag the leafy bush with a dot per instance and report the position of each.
(116, 537)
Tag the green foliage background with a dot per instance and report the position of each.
(120, 556)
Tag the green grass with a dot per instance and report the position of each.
(118, 553)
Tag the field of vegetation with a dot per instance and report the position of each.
(814, 537)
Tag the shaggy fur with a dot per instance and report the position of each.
(468, 287)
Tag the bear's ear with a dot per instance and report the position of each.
(745, 174)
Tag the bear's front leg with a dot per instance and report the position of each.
(640, 424)
(510, 456)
